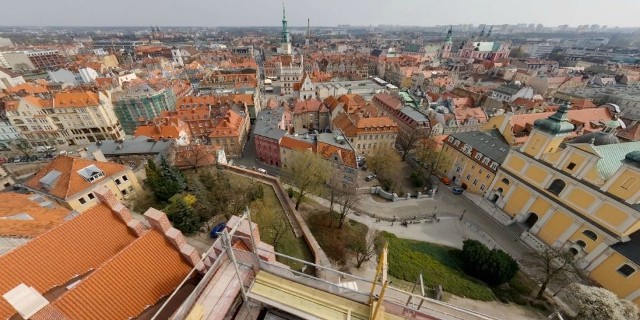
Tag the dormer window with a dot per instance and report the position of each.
(91, 173)
(49, 179)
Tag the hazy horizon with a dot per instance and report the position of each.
(268, 13)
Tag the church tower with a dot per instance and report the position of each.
(285, 41)
(549, 133)
(445, 51)
(176, 56)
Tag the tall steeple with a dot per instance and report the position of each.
(448, 38)
(285, 40)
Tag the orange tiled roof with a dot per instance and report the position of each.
(169, 127)
(302, 106)
(631, 133)
(70, 182)
(230, 126)
(327, 151)
(40, 218)
(76, 99)
(29, 88)
(137, 277)
(63, 253)
(296, 144)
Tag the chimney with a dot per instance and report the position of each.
(99, 156)
(83, 153)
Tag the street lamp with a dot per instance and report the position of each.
(463, 212)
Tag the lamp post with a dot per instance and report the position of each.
(463, 212)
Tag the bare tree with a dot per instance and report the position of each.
(364, 247)
(332, 202)
(550, 266)
(385, 163)
(308, 172)
(23, 146)
(408, 141)
(194, 156)
(432, 159)
(346, 200)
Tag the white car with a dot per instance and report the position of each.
(263, 171)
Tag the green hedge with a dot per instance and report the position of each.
(492, 266)
(438, 265)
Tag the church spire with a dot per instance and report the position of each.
(285, 32)
(448, 38)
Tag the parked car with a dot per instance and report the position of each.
(445, 180)
(370, 177)
(3, 160)
(24, 159)
(218, 228)
(263, 171)
(33, 158)
(17, 159)
(457, 190)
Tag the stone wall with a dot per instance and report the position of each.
(298, 224)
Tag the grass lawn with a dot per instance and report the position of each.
(439, 265)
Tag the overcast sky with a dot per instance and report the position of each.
(321, 12)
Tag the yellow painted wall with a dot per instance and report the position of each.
(591, 244)
(494, 122)
(634, 227)
(540, 207)
(580, 198)
(554, 227)
(536, 174)
(535, 142)
(610, 214)
(478, 173)
(592, 176)
(553, 158)
(630, 190)
(514, 163)
(516, 201)
(576, 158)
(606, 274)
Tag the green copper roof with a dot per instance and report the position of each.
(611, 156)
(633, 157)
(556, 124)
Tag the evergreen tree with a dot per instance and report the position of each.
(172, 173)
(163, 181)
(181, 214)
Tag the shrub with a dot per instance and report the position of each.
(491, 266)
(417, 179)
(290, 192)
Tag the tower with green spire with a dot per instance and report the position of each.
(445, 50)
(285, 40)
(449, 39)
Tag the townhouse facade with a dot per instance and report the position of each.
(474, 158)
(69, 118)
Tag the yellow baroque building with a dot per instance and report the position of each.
(580, 195)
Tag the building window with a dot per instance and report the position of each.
(628, 183)
(468, 177)
(482, 187)
(505, 181)
(118, 181)
(82, 200)
(626, 270)
(125, 178)
(488, 175)
(475, 182)
(556, 186)
(478, 156)
(581, 243)
(91, 196)
(458, 169)
(486, 160)
(590, 234)
(124, 192)
(571, 166)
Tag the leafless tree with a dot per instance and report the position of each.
(364, 247)
(551, 266)
(408, 141)
(23, 146)
(193, 156)
(346, 200)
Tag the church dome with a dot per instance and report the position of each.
(597, 138)
(633, 157)
(556, 124)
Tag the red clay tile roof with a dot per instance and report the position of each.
(302, 106)
(388, 100)
(136, 278)
(29, 88)
(631, 133)
(327, 151)
(70, 182)
(42, 218)
(296, 144)
(63, 253)
(75, 99)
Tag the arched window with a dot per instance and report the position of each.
(556, 186)
(590, 234)
(505, 181)
(573, 251)
(581, 243)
